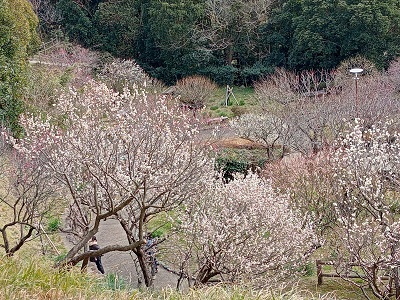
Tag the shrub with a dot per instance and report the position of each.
(249, 75)
(54, 224)
(195, 91)
(231, 161)
(238, 110)
(18, 39)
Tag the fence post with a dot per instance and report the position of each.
(396, 282)
(319, 271)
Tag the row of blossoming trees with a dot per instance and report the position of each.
(350, 184)
(133, 155)
(306, 111)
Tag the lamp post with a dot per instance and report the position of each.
(356, 71)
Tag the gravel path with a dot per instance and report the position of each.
(122, 263)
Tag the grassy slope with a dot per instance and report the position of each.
(244, 102)
(34, 278)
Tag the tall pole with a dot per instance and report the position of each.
(356, 79)
(356, 71)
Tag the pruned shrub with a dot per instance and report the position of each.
(238, 110)
(195, 91)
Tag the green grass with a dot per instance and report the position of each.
(34, 278)
(331, 286)
(334, 286)
(243, 103)
(160, 225)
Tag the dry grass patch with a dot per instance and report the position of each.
(34, 278)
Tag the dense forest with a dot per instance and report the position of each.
(230, 41)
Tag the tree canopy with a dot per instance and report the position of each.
(236, 41)
(320, 34)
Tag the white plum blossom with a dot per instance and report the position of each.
(245, 232)
(127, 156)
(367, 170)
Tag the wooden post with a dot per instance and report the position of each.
(396, 282)
(227, 95)
(319, 271)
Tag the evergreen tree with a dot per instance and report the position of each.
(18, 39)
(77, 24)
(310, 34)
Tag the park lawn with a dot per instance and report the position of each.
(241, 102)
(331, 288)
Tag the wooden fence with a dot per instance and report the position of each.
(347, 274)
(392, 282)
(321, 274)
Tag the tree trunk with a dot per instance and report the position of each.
(229, 55)
(396, 282)
(148, 280)
(204, 275)
(85, 264)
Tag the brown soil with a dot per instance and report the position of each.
(238, 143)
